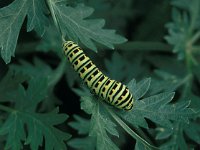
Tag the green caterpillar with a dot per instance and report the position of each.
(113, 92)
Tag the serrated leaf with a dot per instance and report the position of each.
(157, 109)
(14, 128)
(182, 31)
(9, 83)
(176, 140)
(40, 68)
(100, 124)
(12, 17)
(178, 33)
(140, 89)
(82, 125)
(28, 99)
(74, 24)
(39, 126)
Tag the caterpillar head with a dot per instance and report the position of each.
(68, 45)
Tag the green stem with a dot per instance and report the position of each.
(58, 73)
(130, 131)
(144, 46)
(195, 38)
(53, 14)
(7, 109)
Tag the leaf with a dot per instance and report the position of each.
(9, 83)
(28, 99)
(176, 140)
(12, 17)
(117, 69)
(40, 68)
(74, 24)
(42, 126)
(87, 143)
(81, 125)
(192, 130)
(163, 133)
(182, 31)
(100, 124)
(157, 109)
(51, 41)
(178, 38)
(39, 126)
(177, 135)
(15, 130)
(139, 89)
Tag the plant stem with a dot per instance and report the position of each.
(57, 73)
(5, 108)
(195, 38)
(130, 131)
(53, 14)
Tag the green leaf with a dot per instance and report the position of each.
(81, 125)
(178, 32)
(176, 140)
(74, 24)
(183, 31)
(28, 99)
(39, 126)
(192, 130)
(139, 90)
(12, 17)
(100, 124)
(117, 69)
(40, 68)
(176, 136)
(157, 109)
(42, 126)
(14, 128)
(51, 41)
(9, 83)
(87, 143)
(163, 133)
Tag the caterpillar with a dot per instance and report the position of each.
(113, 92)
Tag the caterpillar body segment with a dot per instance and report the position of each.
(113, 92)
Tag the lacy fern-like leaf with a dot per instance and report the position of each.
(74, 24)
(100, 124)
(40, 126)
(176, 136)
(12, 17)
(156, 108)
(82, 125)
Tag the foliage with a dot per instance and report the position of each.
(158, 61)
(39, 125)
